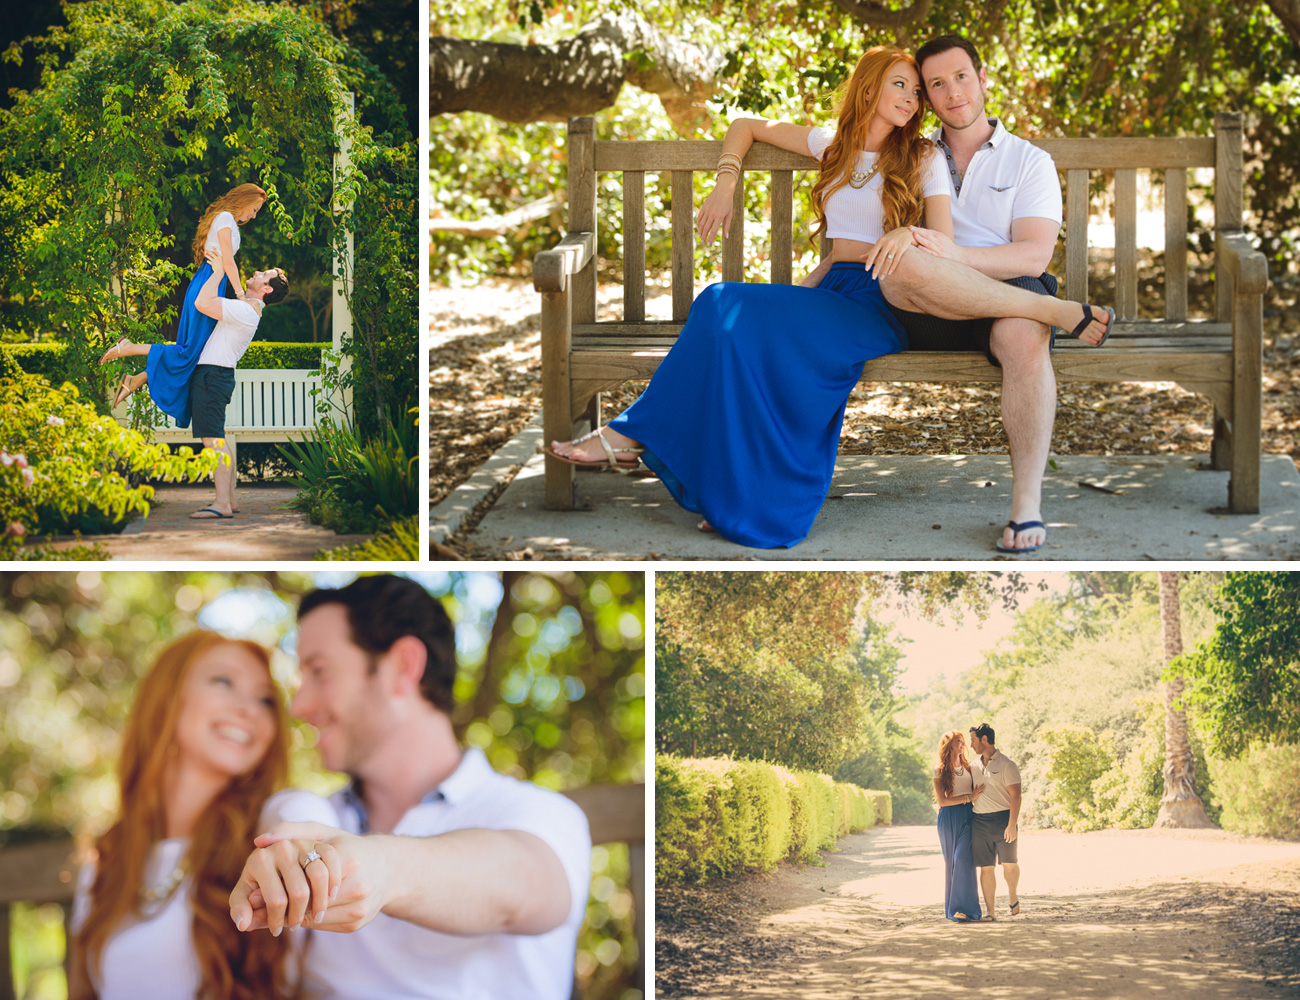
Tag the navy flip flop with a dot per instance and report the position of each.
(1088, 317)
(1017, 528)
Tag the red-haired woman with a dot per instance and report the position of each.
(169, 367)
(742, 419)
(204, 756)
(955, 790)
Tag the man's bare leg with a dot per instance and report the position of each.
(223, 479)
(1028, 414)
(940, 287)
(989, 888)
(1011, 872)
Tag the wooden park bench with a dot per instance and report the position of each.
(46, 872)
(1220, 357)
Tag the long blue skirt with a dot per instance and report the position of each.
(960, 893)
(742, 419)
(171, 366)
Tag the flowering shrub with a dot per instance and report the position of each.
(60, 461)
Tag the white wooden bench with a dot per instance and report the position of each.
(1220, 357)
(269, 404)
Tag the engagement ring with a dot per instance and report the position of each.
(313, 856)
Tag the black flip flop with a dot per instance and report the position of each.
(216, 514)
(1018, 528)
(1088, 317)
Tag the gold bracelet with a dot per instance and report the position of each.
(729, 158)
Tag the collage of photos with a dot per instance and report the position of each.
(817, 487)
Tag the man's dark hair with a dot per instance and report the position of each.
(279, 289)
(384, 608)
(943, 43)
(984, 731)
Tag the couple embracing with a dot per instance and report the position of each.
(193, 379)
(940, 243)
(442, 879)
(979, 814)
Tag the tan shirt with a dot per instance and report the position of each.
(995, 775)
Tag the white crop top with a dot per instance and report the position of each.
(154, 957)
(857, 213)
(963, 781)
(224, 220)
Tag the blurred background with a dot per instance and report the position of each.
(551, 686)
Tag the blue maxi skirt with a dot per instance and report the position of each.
(171, 366)
(742, 419)
(960, 893)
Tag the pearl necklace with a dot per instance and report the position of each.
(164, 889)
(859, 179)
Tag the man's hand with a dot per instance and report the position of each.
(935, 243)
(274, 889)
(1010, 833)
(817, 275)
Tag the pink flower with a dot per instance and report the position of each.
(29, 477)
(54, 421)
(15, 529)
(6, 459)
(20, 461)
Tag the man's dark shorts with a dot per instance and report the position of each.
(930, 333)
(988, 839)
(211, 389)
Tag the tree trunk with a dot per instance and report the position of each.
(578, 76)
(1288, 12)
(1180, 806)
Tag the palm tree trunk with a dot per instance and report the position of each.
(1180, 806)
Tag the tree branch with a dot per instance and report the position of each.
(1288, 12)
(577, 76)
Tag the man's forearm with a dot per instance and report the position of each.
(1011, 260)
(472, 881)
(208, 292)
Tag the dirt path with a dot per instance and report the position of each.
(1203, 915)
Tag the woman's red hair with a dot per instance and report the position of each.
(945, 765)
(234, 965)
(233, 201)
(900, 157)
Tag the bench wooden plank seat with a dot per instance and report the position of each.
(1219, 357)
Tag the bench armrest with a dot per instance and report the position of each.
(551, 268)
(1247, 266)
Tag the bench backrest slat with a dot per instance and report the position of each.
(1176, 243)
(1126, 294)
(683, 244)
(634, 245)
(1076, 158)
(1076, 234)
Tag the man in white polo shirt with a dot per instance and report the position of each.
(458, 883)
(994, 820)
(213, 383)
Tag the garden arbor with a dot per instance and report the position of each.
(146, 112)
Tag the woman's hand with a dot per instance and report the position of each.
(888, 251)
(715, 213)
(277, 890)
(979, 790)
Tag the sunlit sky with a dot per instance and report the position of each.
(947, 648)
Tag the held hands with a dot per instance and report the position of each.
(935, 243)
(274, 889)
(715, 213)
(887, 252)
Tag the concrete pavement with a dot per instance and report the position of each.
(894, 507)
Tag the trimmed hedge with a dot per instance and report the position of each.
(47, 359)
(716, 817)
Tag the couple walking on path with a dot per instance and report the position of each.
(741, 421)
(193, 379)
(979, 813)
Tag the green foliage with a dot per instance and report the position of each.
(62, 466)
(183, 100)
(1162, 68)
(400, 542)
(912, 807)
(350, 486)
(716, 817)
(1075, 757)
(1258, 791)
(1244, 680)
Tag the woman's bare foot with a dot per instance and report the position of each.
(601, 447)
